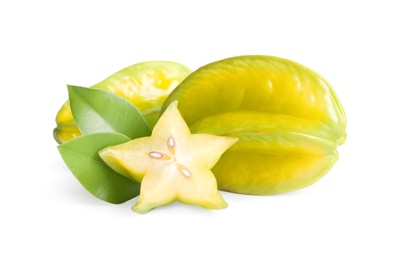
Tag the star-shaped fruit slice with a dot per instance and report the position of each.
(172, 164)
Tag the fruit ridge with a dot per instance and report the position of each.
(288, 118)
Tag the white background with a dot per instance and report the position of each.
(351, 213)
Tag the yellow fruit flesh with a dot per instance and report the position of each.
(288, 118)
(146, 85)
(171, 164)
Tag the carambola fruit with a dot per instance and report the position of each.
(172, 164)
(288, 119)
(146, 85)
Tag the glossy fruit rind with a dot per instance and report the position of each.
(288, 118)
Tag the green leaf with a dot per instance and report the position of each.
(81, 156)
(98, 111)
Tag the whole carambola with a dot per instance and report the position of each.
(288, 119)
(146, 85)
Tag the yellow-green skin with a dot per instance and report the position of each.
(146, 85)
(288, 119)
